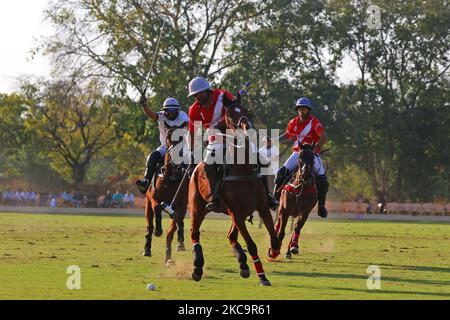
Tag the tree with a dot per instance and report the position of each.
(12, 134)
(398, 64)
(74, 124)
(116, 40)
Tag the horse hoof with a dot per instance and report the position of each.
(294, 250)
(170, 263)
(158, 233)
(271, 254)
(146, 254)
(245, 273)
(265, 283)
(288, 257)
(196, 277)
(181, 248)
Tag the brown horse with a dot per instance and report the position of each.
(242, 192)
(163, 190)
(297, 199)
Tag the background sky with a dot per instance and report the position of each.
(22, 24)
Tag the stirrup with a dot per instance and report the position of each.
(214, 205)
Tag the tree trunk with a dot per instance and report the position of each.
(79, 173)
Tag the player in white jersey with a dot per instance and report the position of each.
(169, 117)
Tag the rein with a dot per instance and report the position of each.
(298, 185)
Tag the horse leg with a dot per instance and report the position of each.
(197, 216)
(238, 251)
(169, 239)
(275, 244)
(148, 237)
(180, 234)
(293, 245)
(252, 249)
(158, 220)
(283, 219)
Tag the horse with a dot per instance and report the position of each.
(163, 189)
(298, 198)
(240, 185)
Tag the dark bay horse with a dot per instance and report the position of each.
(242, 192)
(163, 190)
(297, 199)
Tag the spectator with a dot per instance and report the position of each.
(17, 198)
(22, 198)
(10, 198)
(270, 155)
(53, 201)
(67, 199)
(107, 201)
(128, 200)
(2, 201)
(27, 198)
(117, 200)
(382, 195)
(369, 206)
(5, 196)
(33, 198)
(77, 199)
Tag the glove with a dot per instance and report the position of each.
(143, 99)
(245, 89)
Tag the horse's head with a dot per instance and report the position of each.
(306, 162)
(236, 116)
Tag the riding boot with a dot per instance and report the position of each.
(152, 163)
(322, 189)
(211, 175)
(273, 203)
(279, 182)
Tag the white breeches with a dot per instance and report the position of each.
(292, 162)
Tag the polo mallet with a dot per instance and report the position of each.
(155, 56)
(168, 208)
(245, 90)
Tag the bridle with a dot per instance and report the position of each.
(300, 181)
(175, 168)
(230, 124)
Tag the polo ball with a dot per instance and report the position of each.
(151, 287)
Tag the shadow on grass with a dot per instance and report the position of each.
(394, 266)
(356, 276)
(431, 294)
(420, 268)
(375, 292)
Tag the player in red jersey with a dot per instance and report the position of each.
(305, 129)
(209, 109)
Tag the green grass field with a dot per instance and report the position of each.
(35, 251)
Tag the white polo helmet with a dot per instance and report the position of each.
(171, 103)
(197, 85)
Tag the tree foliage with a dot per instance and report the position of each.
(389, 127)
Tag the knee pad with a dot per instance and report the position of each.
(154, 158)
(322, 182)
